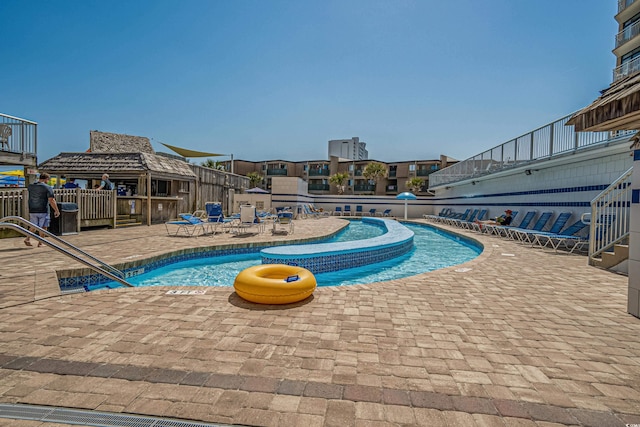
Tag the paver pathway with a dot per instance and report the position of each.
(516, 337)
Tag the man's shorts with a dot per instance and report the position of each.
(42, 220)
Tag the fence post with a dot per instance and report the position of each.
(80, 207)
(25, 204)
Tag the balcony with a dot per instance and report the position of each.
(424, 172)
(626, 69)
(318, 172)
(392, 173)
(277, 172)
(623, 4)
(366, 187)
(18, 141)
(627, 34)
(391, 188)
(319, 187)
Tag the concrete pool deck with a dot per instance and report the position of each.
(516, 337)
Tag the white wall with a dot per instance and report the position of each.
(564, 184)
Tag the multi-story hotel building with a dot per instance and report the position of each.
(627, 43)
(348, 149)
(317, 172)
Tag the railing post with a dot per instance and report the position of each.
(551, 135)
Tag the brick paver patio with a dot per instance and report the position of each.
(516, 337)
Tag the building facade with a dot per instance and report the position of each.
(318, 172)
(348, 149)
(627, 42)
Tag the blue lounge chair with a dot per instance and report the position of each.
(469, 217)
(503, 230)
(285, 221)
(456, 216)
(372, 212)
(358, 210)
(386, 212)
(469, 225)
(490, 228)
(338, 211)
(568, 238)
(188, 224)
(558, 224)
(519, 234)
(347, 210)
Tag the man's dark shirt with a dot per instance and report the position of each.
(39, 194)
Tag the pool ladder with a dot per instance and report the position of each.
(64, 247)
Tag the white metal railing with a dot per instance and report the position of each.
(628, 68)
(623, 4)
(18, 135)
(627, 33)
(545, 142)
(610, 216)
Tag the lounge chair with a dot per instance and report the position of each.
(347, 210)
(285, 221)
(503, 230)
(469, 225)
(372, 212)
(338, 211)
(358, 210)
(188, 224)
(443, 212)
(468, 216)
(216, 218)
(248, 219)
(519, 234)
(455, 216)
(386, 212)
(568, 238)
(558, 224)
(482, 227)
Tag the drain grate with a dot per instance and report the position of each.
(51, 414)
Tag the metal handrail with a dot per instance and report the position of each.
(104, 268)
(610, 216)
(544, 143)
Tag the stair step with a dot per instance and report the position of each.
(125, 221)
(127, 224)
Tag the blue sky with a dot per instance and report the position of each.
(272, 79)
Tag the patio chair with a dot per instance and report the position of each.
(469, 225)
(347, 210)
(248, 219)
(358, 210)
(503, 230)
(372, 212)
(285, 221)
(338, 211)
(387, 212)
(470, 216)
(568, 238)
(188, 224)
(517, 233)
(558, 224)
(483, 227)
(455, 216)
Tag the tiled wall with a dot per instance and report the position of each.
(568, 185)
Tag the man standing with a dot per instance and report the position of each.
(40, 198)
(105, 184)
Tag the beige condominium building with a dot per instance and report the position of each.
(317, 173)
(627, 43)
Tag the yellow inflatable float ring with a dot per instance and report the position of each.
(274, 284)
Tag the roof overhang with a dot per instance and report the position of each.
(618, 108)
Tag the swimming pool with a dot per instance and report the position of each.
(433, 249)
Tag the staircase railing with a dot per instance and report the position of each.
(65, 248)
(610, 216)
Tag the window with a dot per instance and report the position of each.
(412, 168)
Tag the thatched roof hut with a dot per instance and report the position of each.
(618, 108)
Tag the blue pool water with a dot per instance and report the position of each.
(432, 250)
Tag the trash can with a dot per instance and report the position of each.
(67, 222)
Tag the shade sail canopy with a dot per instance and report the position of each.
(185, 152)
(406, 196)
(618, 108)
(256, 190)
